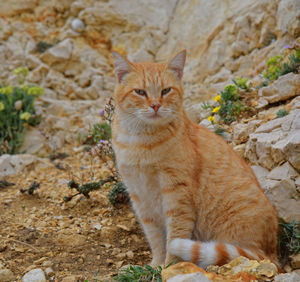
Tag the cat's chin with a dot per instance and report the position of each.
(156, 120)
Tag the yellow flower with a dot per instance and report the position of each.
(6, 90)
(35, 91)
(2, 107)
(25, 116)
(217, 98)
(211, 119)
(216, 109)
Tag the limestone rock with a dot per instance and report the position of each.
(15, 7)
(287, 12)
(275, 142)
(35, 275)
(206, 123)
(297, 183)
(114, 20)
(285, 87)
(34, 143)
(60, 53)
(181, 268)
(49, 272)
(93, 92)
(295, 261)
(241, 131)
(260, 172)
(264, 270)
(284, 197)
(282, 172)
(240, 149)
(192, 277)
(12, 164)
(38, 74)
(6, 275)
(287, 277)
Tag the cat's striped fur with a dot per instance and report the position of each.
(194, 196)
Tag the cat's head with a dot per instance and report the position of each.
(149, 92)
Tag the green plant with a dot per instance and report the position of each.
(101, 146)
(293, 63)
(118, 194)
(220, 131)
(276, 67)
(21, 72)
(16, 113)
(87, 187)
(99, 132)
(42, 46)
(288, 239)
(242, 82)
(281, 113)
(59, 156)
(230, 105)
(273, 70)
(5, 183)
(135, 273)
(34, 186)
(206, 106)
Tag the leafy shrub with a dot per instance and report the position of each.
(293, 63)
(86, 188)
(16, 113)
(273, 70)
(118, 194)
(289, 239)
(42, 46)
(135, 273)
(98, 133)
(229, 104)
(281, 113)
(242, 82)
(276, 66)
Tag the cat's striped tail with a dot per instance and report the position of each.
(209, 253)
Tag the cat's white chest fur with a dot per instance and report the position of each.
(145, 183)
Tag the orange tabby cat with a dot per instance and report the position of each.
(194, 196)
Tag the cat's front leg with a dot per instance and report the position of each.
(153, 229)
(179, 213)
(146, 199)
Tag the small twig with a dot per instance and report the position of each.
(17, 241)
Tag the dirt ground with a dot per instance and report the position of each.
(85, 238)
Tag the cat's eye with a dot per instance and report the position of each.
(140, 92)
(165, 91)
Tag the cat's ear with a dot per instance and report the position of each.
(176, 64)
(122, 66)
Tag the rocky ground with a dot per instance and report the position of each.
(66, 46)
(82, 238)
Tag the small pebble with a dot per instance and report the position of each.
(77, 25)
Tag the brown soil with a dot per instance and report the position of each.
(40, 230)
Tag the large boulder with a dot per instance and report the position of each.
(276, 141)
(285, 87)
(13, 164)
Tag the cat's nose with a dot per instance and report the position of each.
(155, 107)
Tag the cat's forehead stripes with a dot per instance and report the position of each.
(152, 76)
